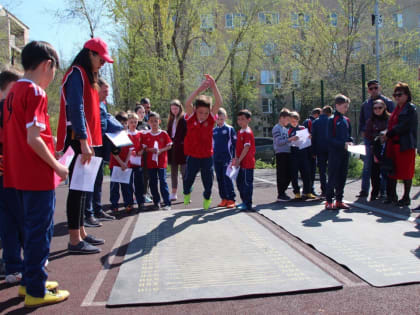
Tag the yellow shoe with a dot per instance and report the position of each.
(49, 298)
(49, 285)
(298, 196)
(310, 196)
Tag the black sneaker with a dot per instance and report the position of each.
(92, 222)
(93, 240)
(362, 194)
(83, 248)
(155, 207)
(405, 201)
(103, 216)
(416, 209)
(283, 197)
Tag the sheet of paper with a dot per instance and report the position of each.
(357, 149)
(304, 139)
(135, 160)
(120, 176)
(65, 160)
(119, 139)
(84, 175)
(232, 172)
(155, 156)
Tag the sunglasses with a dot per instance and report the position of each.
(377, 107)
(373, 88)
(397, 94)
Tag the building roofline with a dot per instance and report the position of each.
(12, 15)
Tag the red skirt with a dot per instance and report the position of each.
(404, 162)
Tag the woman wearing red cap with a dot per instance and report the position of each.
(79, 126)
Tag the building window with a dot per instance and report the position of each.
(267, 105)
(269, 49)
(334, 48)
(300, 20)
(352, 21)
(356, 48)
(270, 77)
(207, 22)
(296, 77)
(398, 19)
(267, 132)
(269, 18)
(206, 50)
(334, 19)
(235, 20)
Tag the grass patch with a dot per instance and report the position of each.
(355, 167)
(261, 164)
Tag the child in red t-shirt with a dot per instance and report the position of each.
(157, 142)
(245, 159)
(120, 157)
(198, 143)
(136, 159)
(29, 167)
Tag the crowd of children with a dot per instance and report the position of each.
(198, 141)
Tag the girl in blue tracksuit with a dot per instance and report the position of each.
(224, 142)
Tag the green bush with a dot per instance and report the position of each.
(416, 179)
(355, 167)
(261, 164)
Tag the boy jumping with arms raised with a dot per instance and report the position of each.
(198, 143)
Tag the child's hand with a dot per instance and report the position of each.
(347, 144)
(204, 86)
(294, 138)
(234, 162)
(62, 171)
(155, 150)
(124, 166)
(140, 153)
(210, 80)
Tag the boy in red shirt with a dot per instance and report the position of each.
(29, 165)
(245, 159)
(157, 142)
(198, 143)
(136, 154)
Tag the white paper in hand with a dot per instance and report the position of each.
(66, 161)
(304, 139)
(135, 160)
(84, 175)
(357, 149)
(120, 176)
(232, 172)
(119, 139)
(155, 156)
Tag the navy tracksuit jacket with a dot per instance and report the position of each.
(299, 160)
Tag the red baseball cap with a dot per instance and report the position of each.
(99, 46)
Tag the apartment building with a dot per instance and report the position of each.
(14, 35)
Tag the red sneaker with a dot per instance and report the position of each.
(230, 204)
(329, 206)
(223, 203)
(129, 208)
(341, 205)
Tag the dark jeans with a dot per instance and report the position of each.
(94, 199)
(226, 190)
(300, 163)
(137, 180)
(245, 181)
(127, 193)
(322, 159)
(154, 175)
(205, 166)
(367, 166)
(338, 163)
(312, 169)
(378, 179)
(282, 172)
(11, 229)
(38, 211)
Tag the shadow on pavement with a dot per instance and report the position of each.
(323, 216)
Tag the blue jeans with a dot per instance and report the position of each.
(154, 174)
(137, 180)
(322, 160)
(205, 166)
(38, 211)
(11, 229)
(245, 182)
(367, 167)
(127, 193)
(226, 190)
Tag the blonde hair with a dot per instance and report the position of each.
(222, 111)
(132, 115)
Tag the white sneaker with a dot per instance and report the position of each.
(14, 278)
(173, 197)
